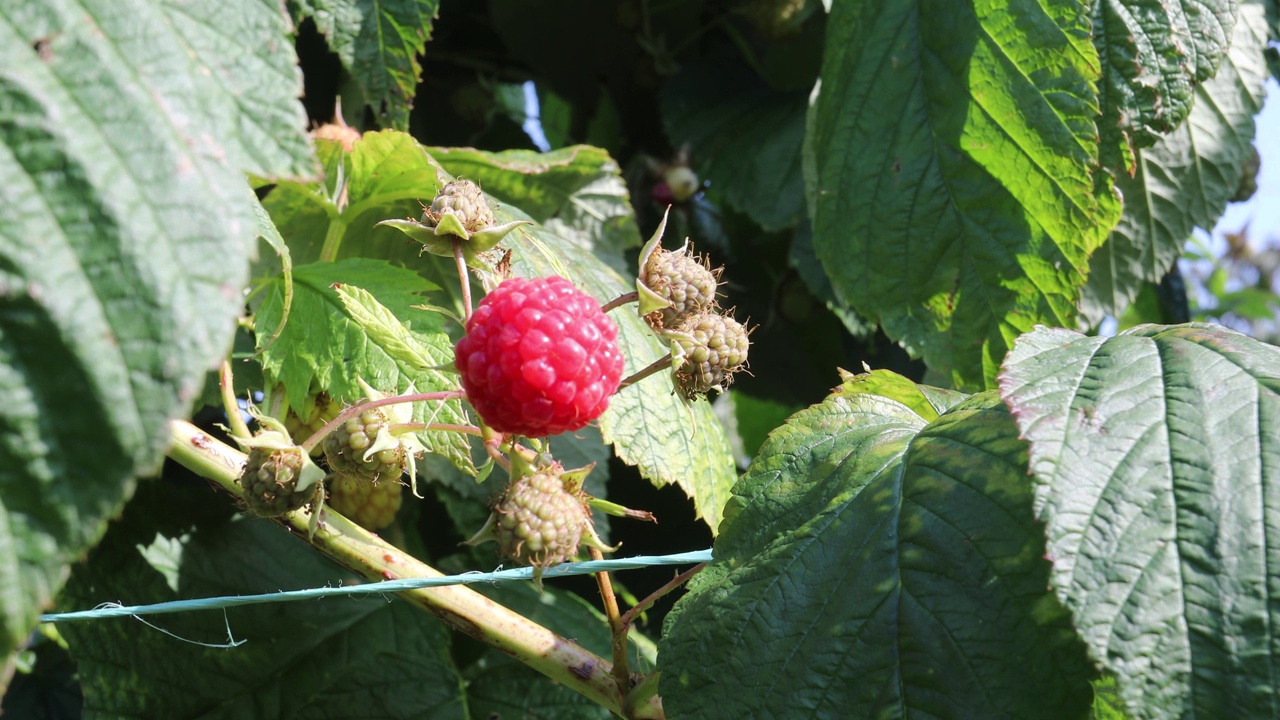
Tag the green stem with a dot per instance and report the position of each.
(657, 366)
(621, 300)
(464, 279)
(358, 408)
(229, 404)
(458, 606)
(333, 238)
(441, 427)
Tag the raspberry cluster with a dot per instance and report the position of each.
(372, 506)
(539, 358)
(677, 293)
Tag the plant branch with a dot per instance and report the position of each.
(229, 404)
(630, 617)
(358, 408)
(654, 367)
(458, 606)
(617, 631)
(442, 427)
(621, 300)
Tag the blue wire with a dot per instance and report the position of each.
(107, 610)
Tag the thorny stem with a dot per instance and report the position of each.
(618, 631)
(621, 300)
(464, 279)
(229, 404)
(358, 408)
(645, 604)
(458, 606)
(657, 366)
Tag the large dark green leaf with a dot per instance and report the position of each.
(366, 657)
(955, 188)
(1153, 54)
(378, 42)
(125, 234)
(874, 565)
(747, 138)
(1185, 180)
(1156, 457)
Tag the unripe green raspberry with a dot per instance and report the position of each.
(270, 481)
(345, 448)
(709, 348)
(464, 200)
(372, 506)
(304, 422)
(683, 280)
(539, 522)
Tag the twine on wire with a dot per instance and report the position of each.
(108, 610)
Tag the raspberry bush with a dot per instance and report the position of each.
(939, 490)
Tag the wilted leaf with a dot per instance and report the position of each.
(1185, 179)
(1153, 55)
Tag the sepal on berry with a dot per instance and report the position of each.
(673, 284)
(542, 519)
(458, 212)
(387, 438)
(651, 300)
(275, 438)
(708, 349)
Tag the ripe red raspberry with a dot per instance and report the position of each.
(539, 358)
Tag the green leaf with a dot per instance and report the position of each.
(577, 192)
(378, 42)
(1106, 701)
(955, 190)
(328, 343)
(125, 234)
(756, 418)
(873, 565)
(1185, 179)
(499, 685)
(1153, 54)
(670, 440)
(360, 657)
(925, 401)
(747, 138)
(806, 264)
(1155, 462)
